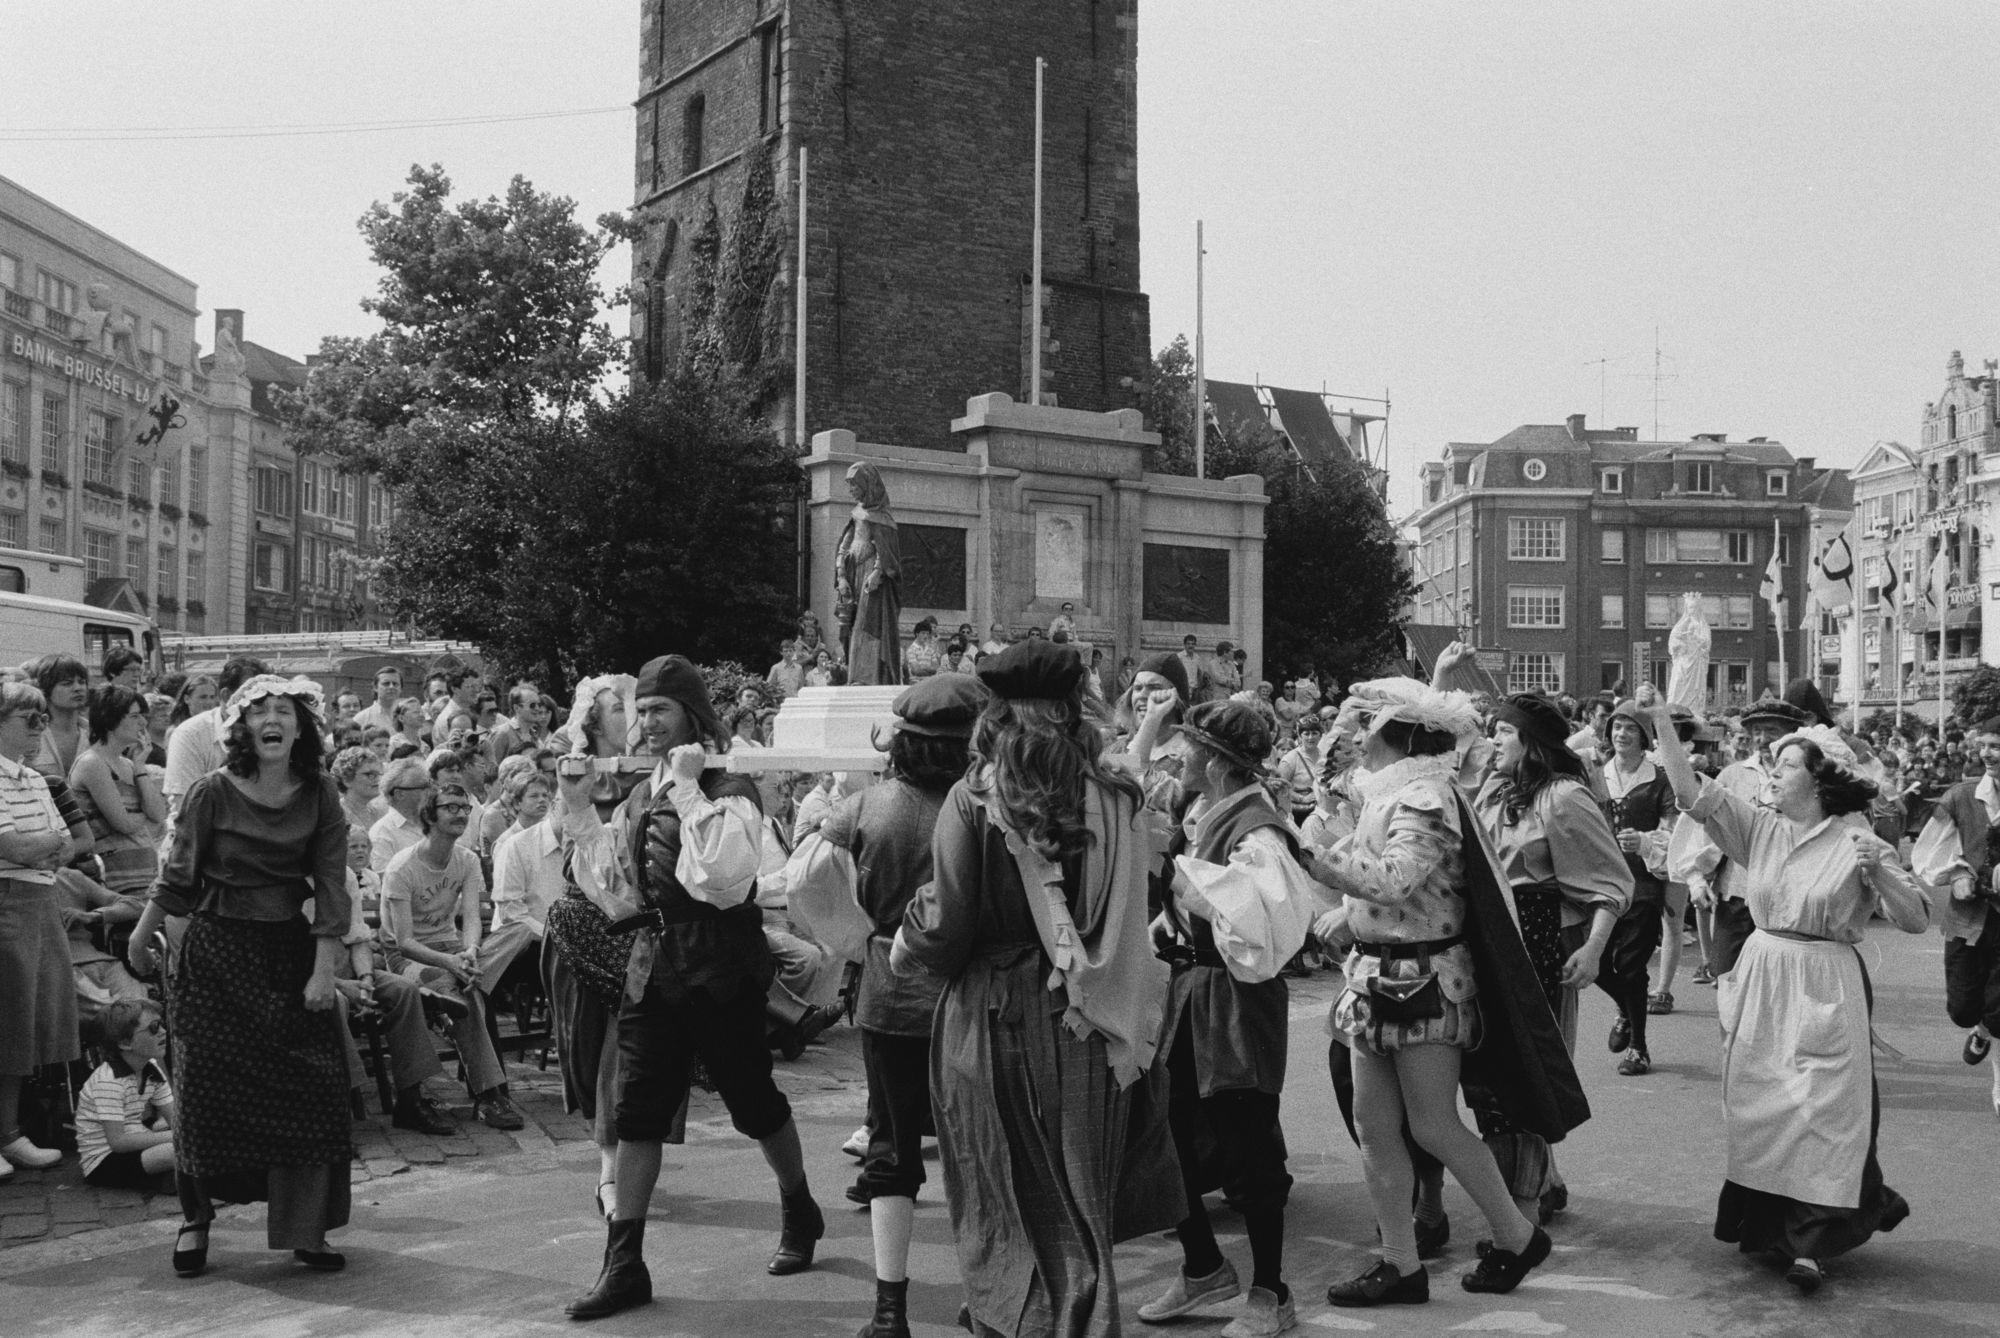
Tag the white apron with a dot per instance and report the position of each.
(1797, 1072)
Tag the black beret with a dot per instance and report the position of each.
(1033, 669)
(1782, 714)
(941, 706)
(1629, 711)
(1168, 666)
(1536, 718)
(1237, 730)
(1804, 694)
(675, 678)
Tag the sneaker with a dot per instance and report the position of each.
(1621, 1035)
(1500, 1271)
(1977, 1046)
(857, 1143)
(1185, 1294)
(1703, 976)
(497, 1112)
(1264, 1316)
(1637, 1064)
(1382, 1285)
(23, 1153)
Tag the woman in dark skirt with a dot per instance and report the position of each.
(259, 1071)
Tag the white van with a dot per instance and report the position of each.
(34, 624)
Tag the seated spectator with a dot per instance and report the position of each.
(159, 722)
(528, 860)
(410, 721)
(811, 642)
(125, 1112)
(496, 823)
(119, 798)
(358, 774)
(924, 655)
(89, 911)
(405, 782)
(346, 706)
(450, 768)
(376, 740)
(997, 639)
(1064, 622)
(401, 1005)
(522, 731)
(431, 896)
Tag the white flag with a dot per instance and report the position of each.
(1833, 576)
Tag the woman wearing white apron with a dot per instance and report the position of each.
(1798, 1077)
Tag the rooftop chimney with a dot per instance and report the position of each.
(1576, 427)
(1806, 462)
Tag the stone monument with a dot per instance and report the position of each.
(868, 572)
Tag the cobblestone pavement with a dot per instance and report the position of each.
(48, 1205)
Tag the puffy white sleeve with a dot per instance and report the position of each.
(1939, 853)
(594, 861)
(721, 846)
(1261, 904)
(823, 882)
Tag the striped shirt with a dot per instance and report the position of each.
(112, 1096)
(26, 808)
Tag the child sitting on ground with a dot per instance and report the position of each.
(125, 1113)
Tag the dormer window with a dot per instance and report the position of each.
(1611, 482)
(1698, 476)
(1777, 483)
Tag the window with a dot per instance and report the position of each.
(1610, 675)
(100, 554)
(198, 478)
(51, 537)
(135, 563)
(1720, 611)
(691, 117)
(156, 341)
(14, 422)
(656, 135)
(97, 444)
(1611, 481)
(1698, 546)
(1534, 471)
(378, 507)
(163, 574)
(55, 427)
(1611, 544)
(1698, 476)
(770, 88)
(10, 273)
(138, 478)
(1535, 538)
(1906, 507)
(274, 492)
(1534, 671)
(1613, 611)
(1777, 483)
(309, 489)
(1784, 550)
(55, 292)
(170, 478)
(13, 529)
(1535, 605)
(269, 572)
(1661, 610)
(197, 579)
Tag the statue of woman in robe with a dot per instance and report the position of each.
(868, 570)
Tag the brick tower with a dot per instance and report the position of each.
(919, 118)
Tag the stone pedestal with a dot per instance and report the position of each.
(1047, 506)
(826, 729)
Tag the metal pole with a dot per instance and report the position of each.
(799, 320)
(1200, 377)
(1035, 277)
(1778, 612)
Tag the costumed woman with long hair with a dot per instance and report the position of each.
(260, 1073)
(1799, 1097)
(1050, 1104)
(1570, 884)
(1433, 973)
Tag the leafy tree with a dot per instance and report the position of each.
(1334, 583)
(1978, 696)
(561, 530)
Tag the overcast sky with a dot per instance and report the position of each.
(1465, 204)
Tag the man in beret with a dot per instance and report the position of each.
(680, 857)
(1715, 883)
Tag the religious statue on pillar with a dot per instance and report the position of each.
(868, 570)
(1687, 651)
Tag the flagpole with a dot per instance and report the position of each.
(1943, 570)
(1035, 278)
(1777, 611)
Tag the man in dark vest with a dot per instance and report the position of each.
(1719, 882)
(1958, 850)
(677, 866)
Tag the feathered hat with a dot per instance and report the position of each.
(1386, 699)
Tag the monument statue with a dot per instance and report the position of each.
(868, 570)
(229, 360)
(1687, 651)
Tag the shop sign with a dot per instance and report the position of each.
(1829, 646)
(1958, 596)
(67, 362)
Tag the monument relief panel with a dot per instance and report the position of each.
(1186, 585)
(1061, 540)
(934, 567)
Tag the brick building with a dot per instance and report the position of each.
(1570, 547)
(920, 123)
(186, 530)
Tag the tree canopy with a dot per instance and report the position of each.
(562, 529)
(1335, 586)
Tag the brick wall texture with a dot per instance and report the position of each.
(920, 121)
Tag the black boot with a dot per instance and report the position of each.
(803, 1226)
(624, 1281)
(892, 1319)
